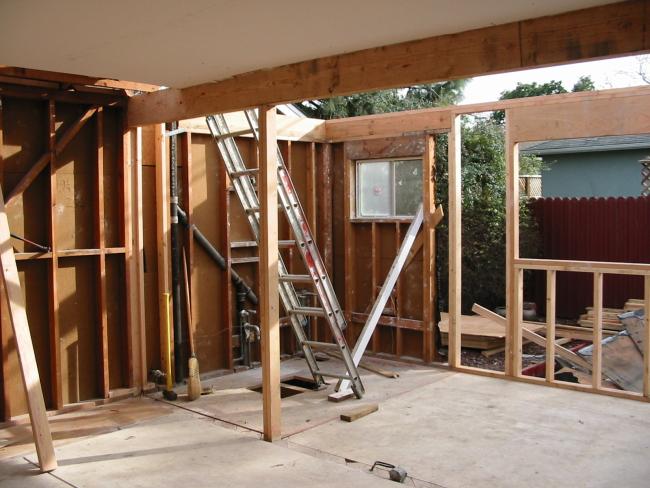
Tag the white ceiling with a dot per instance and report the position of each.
(184, 42)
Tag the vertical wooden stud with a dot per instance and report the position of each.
(311, 217)
(25, 348)
(4, 393)
(138, 253)
(550, 324)
(514, 276)
(597, 350)
(269, 297)
(428, 249)
(100, 243)
(53, 296)
(646, 338)
(348, 236)
(137, 375)
(455, 243)
(374, 244)
(163, 230)
(399, 339)
(325, 228)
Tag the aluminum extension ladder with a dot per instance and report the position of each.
(240, 176)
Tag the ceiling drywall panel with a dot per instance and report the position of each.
(181, 43)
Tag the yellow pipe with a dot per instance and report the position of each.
(168, 346)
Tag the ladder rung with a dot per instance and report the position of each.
(333, 375)
(295, 278)
(325, 345)
(312, 311)
(244, 172)
(256, 210)
(234, 133)
(240, 244)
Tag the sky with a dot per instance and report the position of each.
(609, 73)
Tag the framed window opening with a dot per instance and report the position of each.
(388, 188)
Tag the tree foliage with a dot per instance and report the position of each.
(384, 101)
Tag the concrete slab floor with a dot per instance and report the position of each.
(468, 430)
(182, 449)
(446, 429)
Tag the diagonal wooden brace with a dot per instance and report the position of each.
(44, 160)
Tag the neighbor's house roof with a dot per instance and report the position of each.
(588, 144)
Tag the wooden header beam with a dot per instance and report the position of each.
(611, 30)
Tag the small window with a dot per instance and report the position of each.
(391, 188)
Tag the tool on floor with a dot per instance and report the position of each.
(395, 473)
(168, 392)
(330, 310)
(193, 379)
(32, 243)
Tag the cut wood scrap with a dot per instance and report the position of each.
(339, 396)
(357, 413)
(563, 352)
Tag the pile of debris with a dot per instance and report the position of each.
(611, 319)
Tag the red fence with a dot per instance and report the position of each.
(592, 229)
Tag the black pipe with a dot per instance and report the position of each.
(240, 306)
(218, 258)
(180, 357)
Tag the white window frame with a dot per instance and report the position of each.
(357, 193)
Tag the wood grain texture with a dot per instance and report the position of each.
(611, 30)
(455, 243)
(269, 297)
(27, 359)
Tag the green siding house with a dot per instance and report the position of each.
(592, 167)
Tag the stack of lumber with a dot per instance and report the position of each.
(478, 332)
(610, 315)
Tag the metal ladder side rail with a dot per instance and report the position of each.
(312, 260)
(246, 192)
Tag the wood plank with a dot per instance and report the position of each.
(360, 412)
(389, 148)
(551, 298)
(399, 335)
(138, 252)
(584, 266)
(269, 297)
(25, 348)
(597, 356)
(563, 352)
(100, 242)
(52, 266)
(455, 243)
(44, 160)
(137, 374)
(611, 30)
(428, 249)
(163, 232)
(514, 277)
(601, 117)
(348, 235)
(646, 337)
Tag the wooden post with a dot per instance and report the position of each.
(646, 338)
(53, 265)
(138, 253)
(134, 296)
(514, 277)
(428, 249)
(455, 244)
(597, 349)
(163, 232)
(100, 243)
(550, 324)
(25, 348)
(227, 290)
(269, 297)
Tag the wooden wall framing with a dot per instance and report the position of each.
(67, 167)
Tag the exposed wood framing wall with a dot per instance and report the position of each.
(67, 170)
